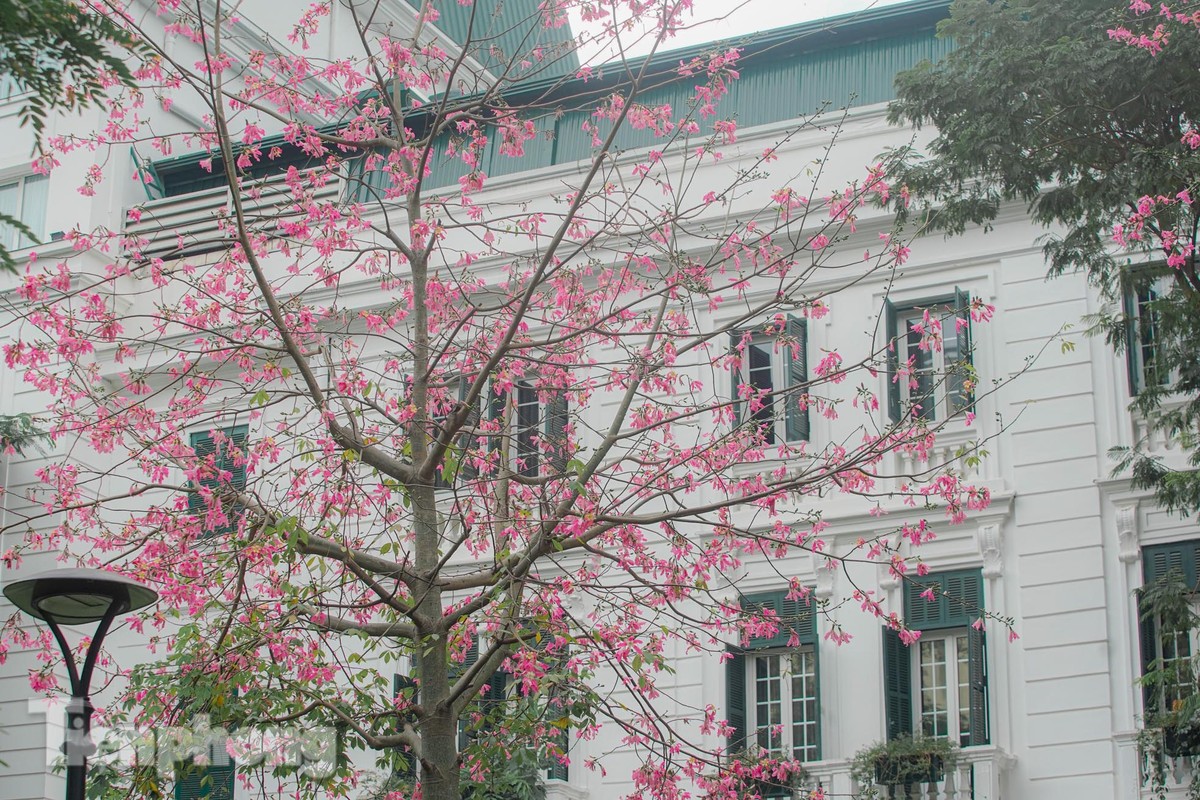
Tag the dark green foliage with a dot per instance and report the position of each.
(57, 53)
(18, 432)
(1037, 105)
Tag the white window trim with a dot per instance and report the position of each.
(779, 383)
(954, 709)
(14, 240)
(906, 317)
(787, 721)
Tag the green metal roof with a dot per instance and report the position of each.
(786, 73)
(500, 30)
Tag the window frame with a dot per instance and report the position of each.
(787, 700)
(500, 690)
(527, 443)
(956, 608)
(956, 305)
(11, 238)
(954, 707)
(797, 632)
(1157, 561)
(1138, 337)
(788, 366)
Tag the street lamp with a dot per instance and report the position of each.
(77, 597)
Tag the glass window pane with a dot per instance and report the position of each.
(804, 706)
(921, 377)
(761, 377)
(10, 198)
(33, 207)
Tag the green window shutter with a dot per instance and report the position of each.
(556, 433)
(735, 699)
(1133, 348)
(962, 371)
(457, 670)
(1157, 562)
(497, 401)
(794, 615)
(897, 686)
(735, 378)
(406, 769)
(556, 769)
(204, 445)
(891, 325)
(466, 441)
(1183, 557)
(209, 782)
(977, 677)
(957, 603)
(796, 368)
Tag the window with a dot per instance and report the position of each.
(768, 382)
(535, 428)
(1146, 360)
(220, 452)
(498, 698)
(214, 781)
(404, 760)
(929, 381)
(772, 686)
(939, 686)
(1167, 612)
(25, 199)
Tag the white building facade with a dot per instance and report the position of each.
(1060, 550)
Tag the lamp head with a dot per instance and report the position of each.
(77, 596)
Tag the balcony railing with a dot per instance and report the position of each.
(201, 222)
(976, 775)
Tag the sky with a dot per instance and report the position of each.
(720, 19)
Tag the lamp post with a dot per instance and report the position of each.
(77, 597)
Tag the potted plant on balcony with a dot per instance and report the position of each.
(1171, 725)
(902, 761)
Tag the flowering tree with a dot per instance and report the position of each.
(381, 415)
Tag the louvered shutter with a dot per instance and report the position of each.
(556, 433)
(456, 670)
(1133, 349)
(736, 377)
(961, 372)
(891, 325)
(407, 769)
(735, 699)
(977, 677)
(957, 603)
(897, 686)
(795, 363)
(497, 401)
(466, 441)
(204, 445)
(210, 782)
(793, 615)
(557, 770)
(1157, 561)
